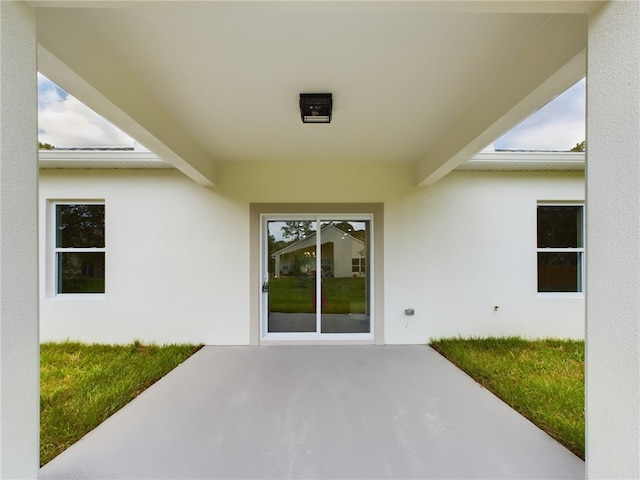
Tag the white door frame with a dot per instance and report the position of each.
(317, 336)
(254, 288)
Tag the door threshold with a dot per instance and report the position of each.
(281, 342)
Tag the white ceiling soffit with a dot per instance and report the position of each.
(203, 84)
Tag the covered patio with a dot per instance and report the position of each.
(359, 412)
(212, 88)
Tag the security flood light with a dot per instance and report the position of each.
(316, 107)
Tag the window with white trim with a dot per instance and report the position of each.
(560, 248)
(358, 265)
(79, 248)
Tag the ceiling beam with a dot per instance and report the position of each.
(440, 6)
(549, 64)
(71, 56)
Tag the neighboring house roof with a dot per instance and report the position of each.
(293, 246)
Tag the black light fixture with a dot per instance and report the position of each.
(315, 107)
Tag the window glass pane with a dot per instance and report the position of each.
(560, 226)
(80, 272)
(559, 272)
(79, 226)
(345, 287)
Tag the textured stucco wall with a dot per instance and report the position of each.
(466, 244)
(613, 240)
(176, 261)
(19, 362)
(178, 254)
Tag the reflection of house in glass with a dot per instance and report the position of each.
(343, 255)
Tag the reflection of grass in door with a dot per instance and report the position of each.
(295, 294)
(291, 295)
(344, 295)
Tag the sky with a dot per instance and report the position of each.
(64, 121)
(559, 125)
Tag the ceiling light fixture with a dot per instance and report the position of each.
(316, 107)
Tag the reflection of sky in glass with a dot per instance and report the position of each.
(276, 228)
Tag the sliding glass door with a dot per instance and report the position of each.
(316, 277)
(291, 264)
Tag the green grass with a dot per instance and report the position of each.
(295, 295)
(542, 379)
(344, 295)
(81, 385)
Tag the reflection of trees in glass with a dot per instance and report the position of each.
(559, 226)
(350, 228)
(274, 246)
(558, 272)
(81, 272)
(80, 226)
(297, 229)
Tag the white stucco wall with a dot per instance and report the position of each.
(19, 360)
(613, 234)
(178, 253)
(457, 249)
(176, 261)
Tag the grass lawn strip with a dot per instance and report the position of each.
(82, 385)
(541, 379)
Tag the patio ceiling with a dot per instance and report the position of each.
(205, 84)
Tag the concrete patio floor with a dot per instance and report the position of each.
(322, 412)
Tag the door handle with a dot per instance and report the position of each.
(265, 287)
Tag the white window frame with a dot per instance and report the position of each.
(357, 264)
(579, 250)
(54, 250)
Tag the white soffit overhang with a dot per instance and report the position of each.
(101, 159)
(524, 161)
(484, 161)
(209, 83)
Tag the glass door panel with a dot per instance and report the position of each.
(344, 247)
(291, 256)
(316, 277)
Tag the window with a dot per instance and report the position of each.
(357, 265)
(560, 248)
(79, 248)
